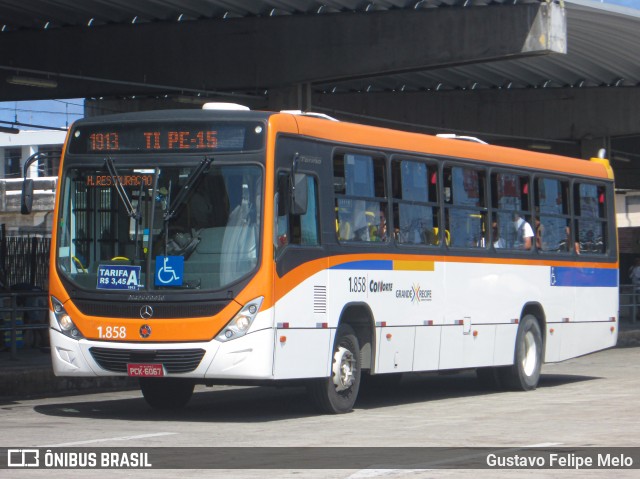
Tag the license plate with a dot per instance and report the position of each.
(145, 370)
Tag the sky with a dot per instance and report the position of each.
(45, 113)
(625, 3)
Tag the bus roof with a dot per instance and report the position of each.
(376, 137)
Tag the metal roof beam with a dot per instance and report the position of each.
(254, 54)
(552, 113)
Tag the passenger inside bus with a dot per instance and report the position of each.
(498, 242)
(379, 231)
(569, 240)
(539, 233)
(524, 232)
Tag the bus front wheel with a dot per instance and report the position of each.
(524, 374)
(337, 394)
(166, 393)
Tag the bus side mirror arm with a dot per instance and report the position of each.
(26, 199)
(298, 189)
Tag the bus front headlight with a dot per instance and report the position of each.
(66, 324)
(241, 322)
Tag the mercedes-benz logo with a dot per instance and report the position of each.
(146, 312)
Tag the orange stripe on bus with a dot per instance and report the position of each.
(295, 277)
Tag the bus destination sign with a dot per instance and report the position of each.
(119, 138)
(157, 140)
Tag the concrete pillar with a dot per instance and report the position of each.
(295, 97)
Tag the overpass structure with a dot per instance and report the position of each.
(561, 77)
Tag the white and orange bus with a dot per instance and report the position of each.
(210, 246)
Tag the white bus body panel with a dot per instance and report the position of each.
(578, 339)
(306, 353)
(460, 350)
(449, 315)
(395, 353)
(301, 318)
(426, 356)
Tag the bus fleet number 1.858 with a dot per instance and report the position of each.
(357, 284)
(112, 332)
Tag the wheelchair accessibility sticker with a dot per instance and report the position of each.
(169, 270)
(118, 276)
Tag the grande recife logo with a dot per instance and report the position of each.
(415, 294)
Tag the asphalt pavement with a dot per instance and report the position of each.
(30, 374)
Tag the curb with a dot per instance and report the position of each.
(42, 382)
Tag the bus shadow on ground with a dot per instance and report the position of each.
(242, 405)
(415, 388)
(553, 380)
(267, 404)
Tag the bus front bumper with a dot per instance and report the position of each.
(247, 357)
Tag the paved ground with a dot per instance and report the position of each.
(588, 401)
(30, 374)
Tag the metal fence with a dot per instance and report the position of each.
(24, 260)
(24, 278)
(629, 301)
(24, 320)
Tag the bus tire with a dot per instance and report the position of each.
(337, 394)
(166, 393)
(524, 374)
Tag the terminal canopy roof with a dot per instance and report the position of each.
(95, 48)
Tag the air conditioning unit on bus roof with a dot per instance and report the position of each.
(309, 113)
(223, 106)
(453, 136)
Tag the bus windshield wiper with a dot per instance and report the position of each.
(137, 218)
(203, 167)
(122, 193)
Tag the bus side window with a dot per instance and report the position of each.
(296, 229)
(510, 204)
(591, 222)
(465, 208)
(360, 197)
(552, 219)
(415, 197)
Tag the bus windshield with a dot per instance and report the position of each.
(193, 226)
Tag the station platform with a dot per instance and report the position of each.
(30, 374)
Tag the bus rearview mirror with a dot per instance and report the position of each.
(26, 201)
(299, 193)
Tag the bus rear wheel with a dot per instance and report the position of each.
(524, 374)
(337, 394)
(166, 393)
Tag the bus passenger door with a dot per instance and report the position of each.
(303, 337)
